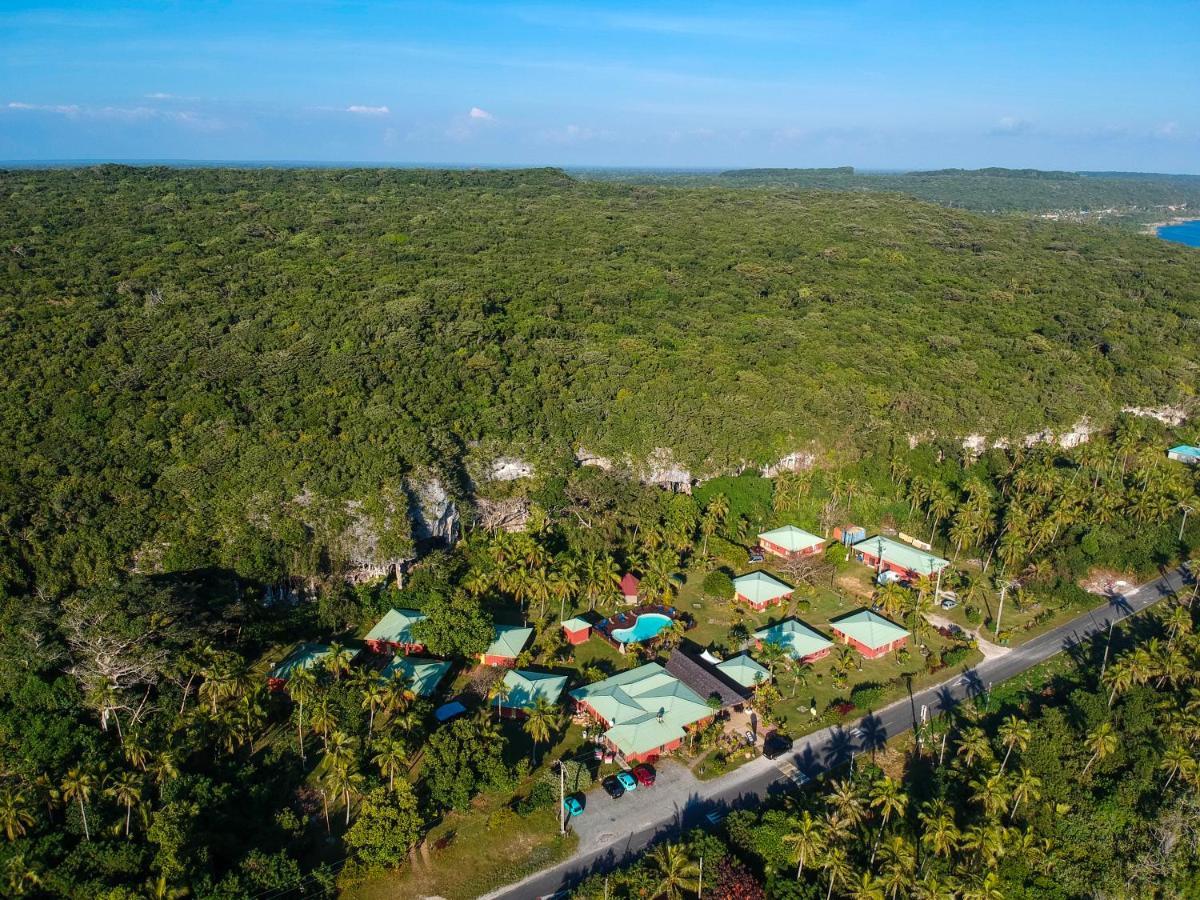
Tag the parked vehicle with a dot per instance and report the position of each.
(627, 781)
(756, 554)
(573, 806)
(776, 745)
(949, 603)
(613, 787)
(645, 775)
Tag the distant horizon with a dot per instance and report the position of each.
(149, 162)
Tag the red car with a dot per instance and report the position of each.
(644, 775)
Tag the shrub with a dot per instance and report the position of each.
(954, 655)
(729, 552)
(718, 584)
(974, 616)
(866, 695)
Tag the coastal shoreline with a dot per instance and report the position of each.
(1152, 227)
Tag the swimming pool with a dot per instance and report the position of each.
(647, 626)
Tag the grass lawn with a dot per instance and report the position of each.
(471, 853)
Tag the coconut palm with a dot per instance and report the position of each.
(390, 759)
(846, 800)
(990, 792)
(338, 660)
(1026, 788)
(837, 866)
(346, 781)
(888, 797)
(16, 814)
(500, 691)
(165, 768)
(1014, 732)
(973, 745)
(302, 688)
(899, 862)
(1102, 741)
(807, 839)
(1118, 678)
(323, 719)
(374, 695)
(126, 790)
(541, 721)
(78, 785)
(341, 749)
(939, 832)
(676, 870)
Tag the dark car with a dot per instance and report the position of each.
(645, 775)
(756, 554)
(613, 787)
(776, 745)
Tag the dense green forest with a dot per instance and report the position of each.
(202, 365)
(1120, 197)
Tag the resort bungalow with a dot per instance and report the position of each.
(306, 656)
(577, 630)
(789, 542)
(744, 670)
(507, 643)
(525, 688)
(422, 675)
(1184, 453)
(393, 633)
(802, 642)
(760, 590)
(869, 633)
(885, 555)
(629, 587)
(647, 711)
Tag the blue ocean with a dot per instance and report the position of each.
(1183, 233)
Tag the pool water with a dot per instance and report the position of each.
(647, 626)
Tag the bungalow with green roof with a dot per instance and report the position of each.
(869, 633)
(394, 632)
(803, 643)
(507, 643)
(526, 688)
(577, 630)
(306, 656)
(760, 590)
(885, 555)
(422, 675)
(744, 670)
(647, 711)
(789, 542)
(1185, 453)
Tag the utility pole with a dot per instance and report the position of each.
(1000, 611)
(1104, 665)
(562, 798)
(942, 754)
(1183, 524)
(700, 881)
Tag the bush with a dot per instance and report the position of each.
(974, 616)
(539, 797)
(718, 584)
(954, 655)
(729, 552)
(579, 776)
(866, 695)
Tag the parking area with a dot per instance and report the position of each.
(606, 820)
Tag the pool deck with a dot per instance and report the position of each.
(628, 619)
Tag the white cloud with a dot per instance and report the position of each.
(1012, 125)
(123, 114)
(482, 114)
(368, 110)
(61, 109)
(159, 95)
(1168, 129)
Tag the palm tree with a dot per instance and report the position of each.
(390, 759)
(990, 792)
(338, 660)
(374, 695)
(836, 865)
(892, 599)
(846, 800)
(345, 781)
(939, 832)
(15, 813)
(899, 860)
(1027, 788)
(341, 749)
(1119, 678)
(807, 838)
(974, 745)
(677, 871)
(986, 887)
(166, 768)
(1014, 732)
(500, 691)
(323, 719)
(770, 654)
(78, 785)
(541, 721)
(887, 796)
(302, 688)
(865, 887)
(135, 750)
(1102, 741)
(126, 789)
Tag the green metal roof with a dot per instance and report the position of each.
(396, 627)
(645, 707)
(760, 587)
(796, 637)
(303, 657)
(509, 641)
(902, 555)
(525, 687)
(1186, 450)
(423, 675)
(791, 538)
(744, 670)
(869, 628)
(576, 624)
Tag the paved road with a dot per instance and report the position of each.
(613, 832)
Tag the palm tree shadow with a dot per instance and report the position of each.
(874, 733)
(840, 749)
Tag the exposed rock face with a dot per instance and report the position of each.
(434, 515)
(1168, 415)
(509, 468)
(793, 462)
(502, 515)
(369, 539)
(585, 458)
(359, 545)
(662, 470)
(975, 444)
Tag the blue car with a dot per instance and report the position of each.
(572, 806)
(627, 781)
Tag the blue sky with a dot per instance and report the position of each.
(1087, 85)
